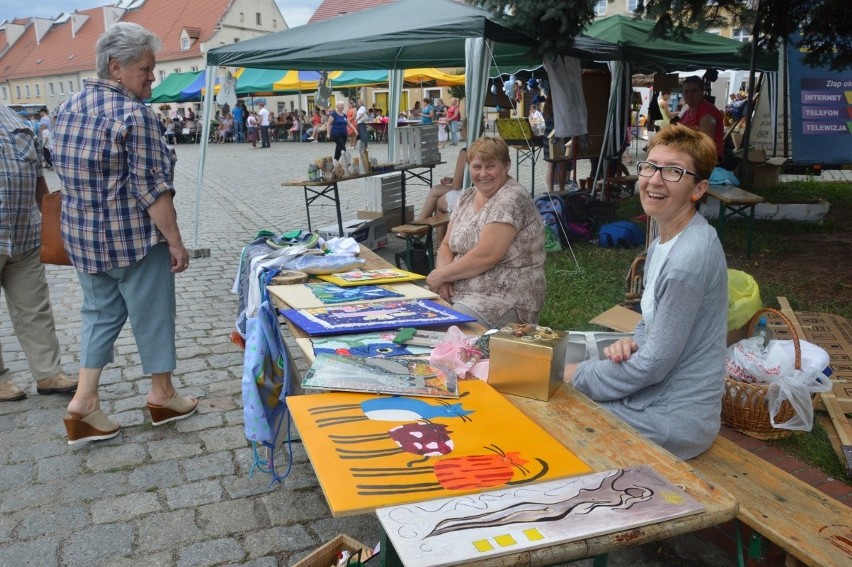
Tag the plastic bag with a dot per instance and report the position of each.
(458, 351)
(748, 361)
(796, 387)
(743, 299)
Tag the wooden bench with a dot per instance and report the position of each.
(418, 229)
(735, 202)
(809, 526)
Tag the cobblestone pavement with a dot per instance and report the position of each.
(181, 494)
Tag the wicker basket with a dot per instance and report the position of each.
(745, 406)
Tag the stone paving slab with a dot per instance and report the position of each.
(181, 494)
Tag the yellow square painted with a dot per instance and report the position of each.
(483, 545)
(533, 534)
(505, 540)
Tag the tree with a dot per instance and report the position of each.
(825, 25)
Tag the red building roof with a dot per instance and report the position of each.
(333, 8)
(60, 51)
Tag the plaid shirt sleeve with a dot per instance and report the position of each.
(150, 165)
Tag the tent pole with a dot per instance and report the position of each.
(785, 97)
(207, 112)
(744, 165)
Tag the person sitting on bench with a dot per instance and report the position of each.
(667, 380)
(442, 197)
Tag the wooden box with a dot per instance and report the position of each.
(327, 554)
(527, 360)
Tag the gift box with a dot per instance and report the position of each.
(527, 360)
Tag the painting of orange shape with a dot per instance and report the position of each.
(372, 451)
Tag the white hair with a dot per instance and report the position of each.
(126, 43)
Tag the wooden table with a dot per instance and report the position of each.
(604, 443)
(734, 202)
(328, 189)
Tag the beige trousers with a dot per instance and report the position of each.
(23, 281)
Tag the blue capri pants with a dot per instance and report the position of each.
(144, 292)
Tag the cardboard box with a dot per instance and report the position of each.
(527, 361)
(618, 318)
(834, 334)
(762, 171)
(392, 217)
(327, 554)
(372, 233)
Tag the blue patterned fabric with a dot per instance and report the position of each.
(266, 372)
(20, 162)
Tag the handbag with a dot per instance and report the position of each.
(52, 248)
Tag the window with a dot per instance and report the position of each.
(600, 8)
(257, 19)
(162, 75)
(5, 93)
(177, 70)
(27, 91)
(194, 68)
(51, 89)
(38, 89)
(236, 40)
(70, 86)
(61, 88)
(274, 24)
(242, 17)
(184, 43)
(632, 5)
(741, 35)
(18, 91)
(432, 94)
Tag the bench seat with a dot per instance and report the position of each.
(808, 525)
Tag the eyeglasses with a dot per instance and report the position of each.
(671, 173)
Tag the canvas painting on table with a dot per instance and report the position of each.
(359, 317)
(302, 296)
(371, 451)
(380, 276)
(377, 345)
(458, 530)
(408, 377)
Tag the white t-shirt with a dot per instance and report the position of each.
(361, 115)
(652, 272)
(251, 121)
(264, 117)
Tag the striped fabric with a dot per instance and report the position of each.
(113, 165)
(20, 164)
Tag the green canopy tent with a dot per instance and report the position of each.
(696, 50)
(170, 89)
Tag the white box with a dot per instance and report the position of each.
(372, 233)
(418, 144)
(383, 192)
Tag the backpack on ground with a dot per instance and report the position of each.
(624, 234)
(552, 211)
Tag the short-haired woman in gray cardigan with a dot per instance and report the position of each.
(667, 381)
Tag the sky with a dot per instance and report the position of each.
(296, 12)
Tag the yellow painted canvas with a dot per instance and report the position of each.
(363, 277)
(372, 451)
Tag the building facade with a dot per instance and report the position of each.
(43, 61)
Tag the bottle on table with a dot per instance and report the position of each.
(761, 330)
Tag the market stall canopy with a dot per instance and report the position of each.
(698, 50)
(297, 81)
(399, 35)
(170, 89)
(412, 77)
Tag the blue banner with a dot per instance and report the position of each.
(820, 112)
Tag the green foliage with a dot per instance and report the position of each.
(555, 23)
(457, 91)
(824, 24)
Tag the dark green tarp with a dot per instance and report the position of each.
(400, 35)
(170, 89)
(698, 50)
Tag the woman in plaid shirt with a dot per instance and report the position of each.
(119, 227)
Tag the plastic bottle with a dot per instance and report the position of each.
(761, 330)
